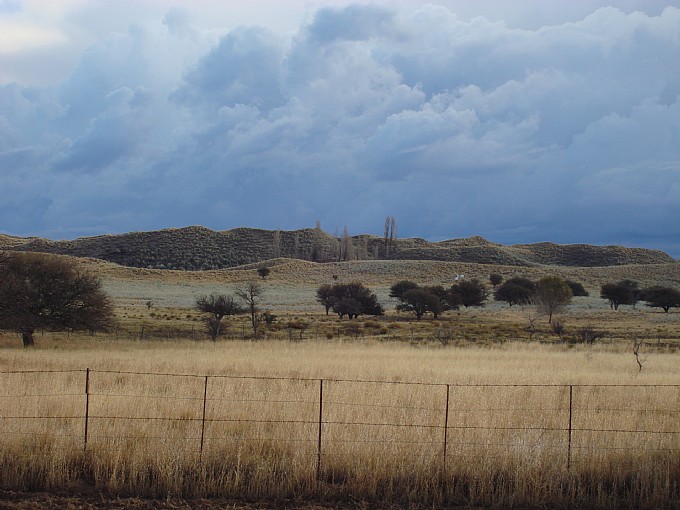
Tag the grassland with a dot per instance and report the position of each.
(509, 393)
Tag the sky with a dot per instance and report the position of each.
(522, 121)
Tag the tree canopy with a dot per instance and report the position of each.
(420, 301)
(662, 297)
(552, 293)
(217, 306)
(433, 299)
(350, 299)
(47, 292)
(624, 292)
(471, 292)
(516, 291)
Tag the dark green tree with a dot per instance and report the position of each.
(625, 292)
(420, 301)
(516, 291)
(350, 299)
(495, 279)
(48, 292)
(661, 297)
(398, 289)
(577, 289)
(263, 272)
(325, 296)
(471, 292)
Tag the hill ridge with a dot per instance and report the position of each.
(200, 248)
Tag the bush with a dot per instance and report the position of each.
(577, 289)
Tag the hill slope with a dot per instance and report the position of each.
(199, 248)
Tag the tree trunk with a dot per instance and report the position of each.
(27, 337)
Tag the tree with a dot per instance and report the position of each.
(420, 301)
(276, 244)
(471, 292)
(351, 299)
(325, 296)
(625, 292)
(263, 272)
(217, 306)
(398, 289)
(51, 293)
(516, 291)
(552, 293)
(251, 294)
(390, 234)
(577, 289)
(346, 245)
(661, 297)
(495, 279)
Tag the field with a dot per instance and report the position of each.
(471, 409)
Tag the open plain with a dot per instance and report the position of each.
(475, 408)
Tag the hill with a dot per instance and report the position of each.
(199, 248)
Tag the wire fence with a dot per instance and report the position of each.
(323, 419)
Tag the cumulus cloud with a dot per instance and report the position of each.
(457, 126)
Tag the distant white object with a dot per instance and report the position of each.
(458, 277)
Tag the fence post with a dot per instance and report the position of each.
(87, 406)
(318, 447)
(205, 398)
(571, 409)
(446, 425)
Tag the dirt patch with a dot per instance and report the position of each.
(48, 501)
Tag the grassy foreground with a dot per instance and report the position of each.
(507, 442)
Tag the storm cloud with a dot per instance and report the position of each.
(458, 126)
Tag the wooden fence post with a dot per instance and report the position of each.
(571, 411)
(446, 425)
(318, 447)
(205, 398)
(87, 406)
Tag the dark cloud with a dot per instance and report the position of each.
(244, 68)
(567, 132)
(352, 23)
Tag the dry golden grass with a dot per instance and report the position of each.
(383, 440)
(507, 445)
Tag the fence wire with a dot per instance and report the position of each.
(321, 418)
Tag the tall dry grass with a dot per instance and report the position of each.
(382, 439)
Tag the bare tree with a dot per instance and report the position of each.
(217, 306)
(47, 292)
(637, 345)
(317, 250)
(276, 244)
(532, 315)
(346, 245)
(296, 245)
(390, 234)
(251, 294)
